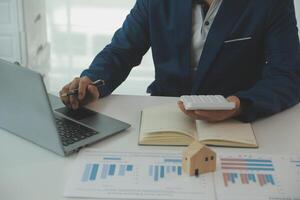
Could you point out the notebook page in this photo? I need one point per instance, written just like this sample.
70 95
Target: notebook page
166 118
231 130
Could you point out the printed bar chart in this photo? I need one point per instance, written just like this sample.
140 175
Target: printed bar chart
135 175
160 171
245 179
170 166
94 171
102 171
247 171
257 177
247 164
264 179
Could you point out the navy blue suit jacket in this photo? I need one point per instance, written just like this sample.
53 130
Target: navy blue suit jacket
263 71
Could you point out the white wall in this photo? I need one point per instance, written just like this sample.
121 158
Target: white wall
78 30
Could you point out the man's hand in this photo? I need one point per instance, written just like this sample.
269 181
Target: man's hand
86 93
214 115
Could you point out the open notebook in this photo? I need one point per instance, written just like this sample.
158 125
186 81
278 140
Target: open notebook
167 125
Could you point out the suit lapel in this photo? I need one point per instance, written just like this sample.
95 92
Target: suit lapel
225 20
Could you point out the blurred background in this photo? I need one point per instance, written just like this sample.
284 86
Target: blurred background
78 30
59 38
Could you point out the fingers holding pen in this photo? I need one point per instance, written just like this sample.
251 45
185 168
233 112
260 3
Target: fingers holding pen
65 99
74 102
80 92
82 88
91 94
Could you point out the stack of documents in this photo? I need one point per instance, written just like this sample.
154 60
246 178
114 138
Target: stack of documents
130 175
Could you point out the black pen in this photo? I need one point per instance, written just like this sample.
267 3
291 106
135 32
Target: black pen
96 83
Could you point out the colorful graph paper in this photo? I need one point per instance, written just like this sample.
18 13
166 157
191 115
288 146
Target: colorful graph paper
170 166
103 171
238 171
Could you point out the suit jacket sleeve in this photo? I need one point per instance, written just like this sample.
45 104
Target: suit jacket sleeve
279 87
129 44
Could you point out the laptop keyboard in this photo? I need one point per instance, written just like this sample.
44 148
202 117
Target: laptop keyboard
71 132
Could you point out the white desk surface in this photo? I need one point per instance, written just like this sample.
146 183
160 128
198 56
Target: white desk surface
29 172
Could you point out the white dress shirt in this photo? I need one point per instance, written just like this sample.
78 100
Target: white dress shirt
200 29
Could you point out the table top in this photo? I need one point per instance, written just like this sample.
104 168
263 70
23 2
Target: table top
29 172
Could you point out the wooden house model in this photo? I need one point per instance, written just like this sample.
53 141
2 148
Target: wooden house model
198 159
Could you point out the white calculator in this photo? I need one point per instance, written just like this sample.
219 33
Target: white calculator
206 102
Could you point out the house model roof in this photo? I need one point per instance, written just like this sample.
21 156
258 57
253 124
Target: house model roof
194 148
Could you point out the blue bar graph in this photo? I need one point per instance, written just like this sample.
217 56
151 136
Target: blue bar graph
86 173
92 172
245 179
162 171
179 171
129 168
112 169
270 179
251 177
158 172
232 177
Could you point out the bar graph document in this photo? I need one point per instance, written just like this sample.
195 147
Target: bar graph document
257 177
124 175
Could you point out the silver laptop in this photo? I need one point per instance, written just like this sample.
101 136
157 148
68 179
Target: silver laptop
26 111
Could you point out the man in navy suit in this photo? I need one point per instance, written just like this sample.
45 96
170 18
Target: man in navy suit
246 50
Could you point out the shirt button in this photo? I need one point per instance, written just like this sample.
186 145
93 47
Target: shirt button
207 23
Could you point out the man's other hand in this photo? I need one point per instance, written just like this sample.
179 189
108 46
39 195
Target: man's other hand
213 115
86 93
